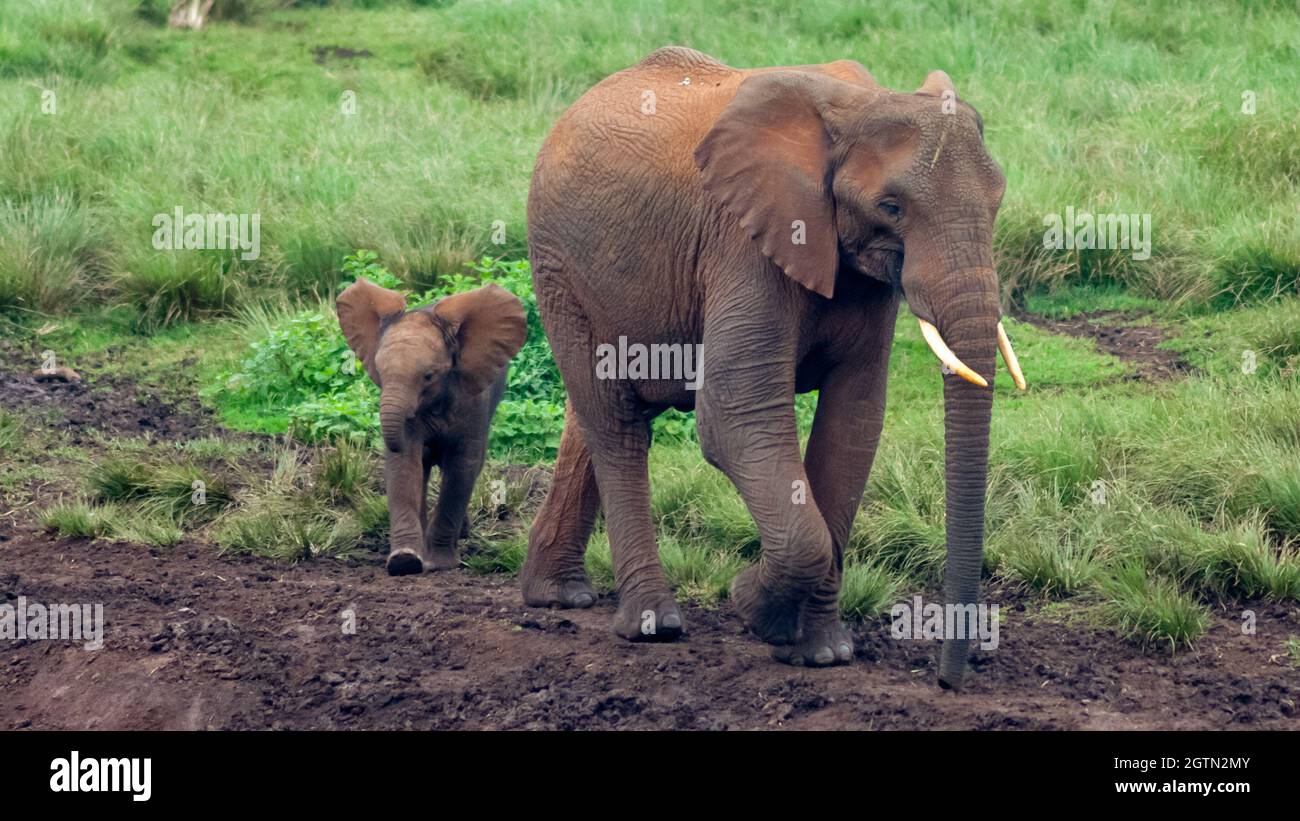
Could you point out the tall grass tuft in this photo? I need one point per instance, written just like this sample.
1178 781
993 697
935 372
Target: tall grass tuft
54 255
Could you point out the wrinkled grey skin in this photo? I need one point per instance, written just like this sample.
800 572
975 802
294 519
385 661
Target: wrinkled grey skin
441 372
664 208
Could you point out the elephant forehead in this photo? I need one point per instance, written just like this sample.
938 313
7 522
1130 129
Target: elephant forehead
410 337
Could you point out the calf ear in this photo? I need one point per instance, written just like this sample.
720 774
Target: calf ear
360 307
490 325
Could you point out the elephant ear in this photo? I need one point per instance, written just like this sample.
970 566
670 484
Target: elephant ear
361 307
490 326
767 160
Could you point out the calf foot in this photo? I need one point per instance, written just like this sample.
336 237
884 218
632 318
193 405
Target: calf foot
774 620
404 562
819 646
651 616
442 559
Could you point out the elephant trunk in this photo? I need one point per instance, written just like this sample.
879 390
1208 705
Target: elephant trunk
967 411
953 290
393 413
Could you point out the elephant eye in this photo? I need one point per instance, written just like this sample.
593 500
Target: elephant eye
428 376
890 207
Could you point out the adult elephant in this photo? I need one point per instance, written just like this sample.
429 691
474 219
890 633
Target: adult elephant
772 217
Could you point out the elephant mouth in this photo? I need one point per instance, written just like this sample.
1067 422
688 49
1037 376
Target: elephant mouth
881 258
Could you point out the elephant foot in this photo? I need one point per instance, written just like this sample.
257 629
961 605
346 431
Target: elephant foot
820 646
404 563
442 559
543 591
772 619
649 617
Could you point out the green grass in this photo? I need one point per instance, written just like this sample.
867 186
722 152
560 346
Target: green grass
1152 609
1261 342
285 515
11 430
505 555
288 534
81 519
1108 106
1070 299
868 590
345 471
175 491
54 256
1048 565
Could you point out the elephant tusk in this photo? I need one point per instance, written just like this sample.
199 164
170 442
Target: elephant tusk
1009 356
946 356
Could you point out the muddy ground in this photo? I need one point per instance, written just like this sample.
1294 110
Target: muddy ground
194 640
1126 335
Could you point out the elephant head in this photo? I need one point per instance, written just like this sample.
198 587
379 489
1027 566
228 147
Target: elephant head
838 177
423 359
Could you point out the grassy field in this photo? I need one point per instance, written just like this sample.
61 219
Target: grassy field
1140 504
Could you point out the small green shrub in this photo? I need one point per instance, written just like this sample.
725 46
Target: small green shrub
178 492
53 255
498 556
371 511
288 535
141 528
867 590
1152 609
303 368
81 520
344 471
119 480
179 286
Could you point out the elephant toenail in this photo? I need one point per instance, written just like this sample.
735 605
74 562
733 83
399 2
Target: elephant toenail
846 652
824 656
583 600
672 621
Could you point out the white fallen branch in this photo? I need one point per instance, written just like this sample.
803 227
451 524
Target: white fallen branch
189 14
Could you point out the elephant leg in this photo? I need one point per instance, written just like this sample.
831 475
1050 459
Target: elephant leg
745 417
405 481
615 430
797 551
841 449
647 609
554 573
459 470
427 460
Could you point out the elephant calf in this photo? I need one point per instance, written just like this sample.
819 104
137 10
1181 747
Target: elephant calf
441 371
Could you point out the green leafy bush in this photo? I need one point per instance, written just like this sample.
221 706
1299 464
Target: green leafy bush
531 415
303 368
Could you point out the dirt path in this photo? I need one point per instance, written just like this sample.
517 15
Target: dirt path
196 641
1124 335
193 640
